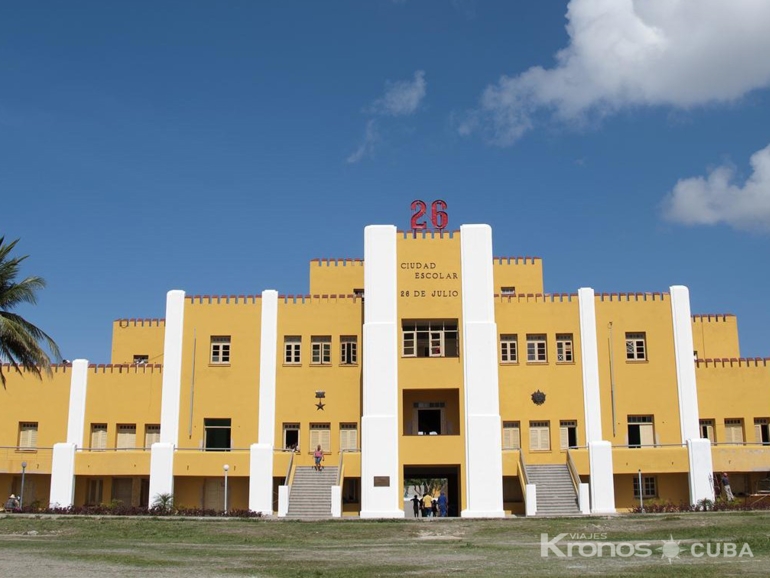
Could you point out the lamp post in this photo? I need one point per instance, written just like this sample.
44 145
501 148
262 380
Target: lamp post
641 492
226 468
21 496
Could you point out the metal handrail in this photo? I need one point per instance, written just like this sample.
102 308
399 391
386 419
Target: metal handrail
523 481
339 471
650 446
573 473
288 471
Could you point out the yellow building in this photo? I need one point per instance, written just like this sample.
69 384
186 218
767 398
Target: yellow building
429 358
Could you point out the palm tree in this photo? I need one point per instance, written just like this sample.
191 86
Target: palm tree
20 340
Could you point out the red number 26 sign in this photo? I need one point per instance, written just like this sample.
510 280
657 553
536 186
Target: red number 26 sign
438 217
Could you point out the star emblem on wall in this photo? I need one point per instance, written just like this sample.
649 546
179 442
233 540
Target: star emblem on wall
320 405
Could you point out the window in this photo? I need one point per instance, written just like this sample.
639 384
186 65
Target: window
762 430
564 348
348 436
94 493
640 431
292 344
707 429
220 349
568 434
98 436
141 359
349 350
636 349
27 435
151 434
126 439
122 490
509 351
434 338
734 431
320 434
536 350
511 435
216 434
539 436
321 350
508 290
649 486
291 436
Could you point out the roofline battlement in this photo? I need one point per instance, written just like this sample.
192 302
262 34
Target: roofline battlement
654 296
538 297
708 317
156 322
125 367
303 299
337 262
734 361
516 260
222 299
425 234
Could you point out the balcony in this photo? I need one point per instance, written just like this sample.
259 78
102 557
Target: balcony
112 462
659 459
38 460
741 457
197 462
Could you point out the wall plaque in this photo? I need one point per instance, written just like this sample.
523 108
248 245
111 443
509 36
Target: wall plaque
381 481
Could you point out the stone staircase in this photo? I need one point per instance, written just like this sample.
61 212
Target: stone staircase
310 495
555 492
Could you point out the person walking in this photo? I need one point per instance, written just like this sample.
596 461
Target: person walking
726 487
442 505
427 505
416 506
319 456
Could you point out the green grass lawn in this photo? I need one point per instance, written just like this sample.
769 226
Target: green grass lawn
73 546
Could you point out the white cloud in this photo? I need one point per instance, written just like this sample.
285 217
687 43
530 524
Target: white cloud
625 53
401 98
717 199
367 147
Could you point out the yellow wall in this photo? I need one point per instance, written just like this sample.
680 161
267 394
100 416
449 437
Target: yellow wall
297 384
220 391
137 337
122 395
715 336
561 382
734 390
523 273
641 387
672 488
336 276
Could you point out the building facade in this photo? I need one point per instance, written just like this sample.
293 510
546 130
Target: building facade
429 358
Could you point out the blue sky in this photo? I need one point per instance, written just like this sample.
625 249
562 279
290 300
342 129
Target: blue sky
217 147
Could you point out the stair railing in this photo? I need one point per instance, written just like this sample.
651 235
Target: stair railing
523 480
289 470
340 476
573 473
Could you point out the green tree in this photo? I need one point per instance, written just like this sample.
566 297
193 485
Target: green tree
21 342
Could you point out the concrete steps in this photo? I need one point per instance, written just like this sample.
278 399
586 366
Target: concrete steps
310 495
555 492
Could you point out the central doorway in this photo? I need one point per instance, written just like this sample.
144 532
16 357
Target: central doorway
433 478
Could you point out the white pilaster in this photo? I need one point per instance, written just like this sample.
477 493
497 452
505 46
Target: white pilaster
62 476
698 450
63 460
161 470
379 423
483 442
283 501
261 457
261 478
172 368
602 485
685 366
336 501
77 406
601 464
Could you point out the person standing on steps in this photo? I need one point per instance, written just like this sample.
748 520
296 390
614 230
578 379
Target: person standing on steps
726 487
319 456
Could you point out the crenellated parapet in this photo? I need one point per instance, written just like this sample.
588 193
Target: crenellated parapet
517 260
316 299
156 322
125 367
425 234
55 368
223 299
733 362
616 297
537 298
337 262
713 318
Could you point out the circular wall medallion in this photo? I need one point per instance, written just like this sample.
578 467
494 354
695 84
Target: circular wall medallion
538 398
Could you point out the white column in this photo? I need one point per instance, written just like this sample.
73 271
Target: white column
379 423
63 461
283 501
261 457
483 442
172 368
698 450
602 487
162 452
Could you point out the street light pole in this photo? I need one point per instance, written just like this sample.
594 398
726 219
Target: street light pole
226 468
21 497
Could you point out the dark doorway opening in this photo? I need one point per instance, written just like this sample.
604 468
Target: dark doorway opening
449 473
429 421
